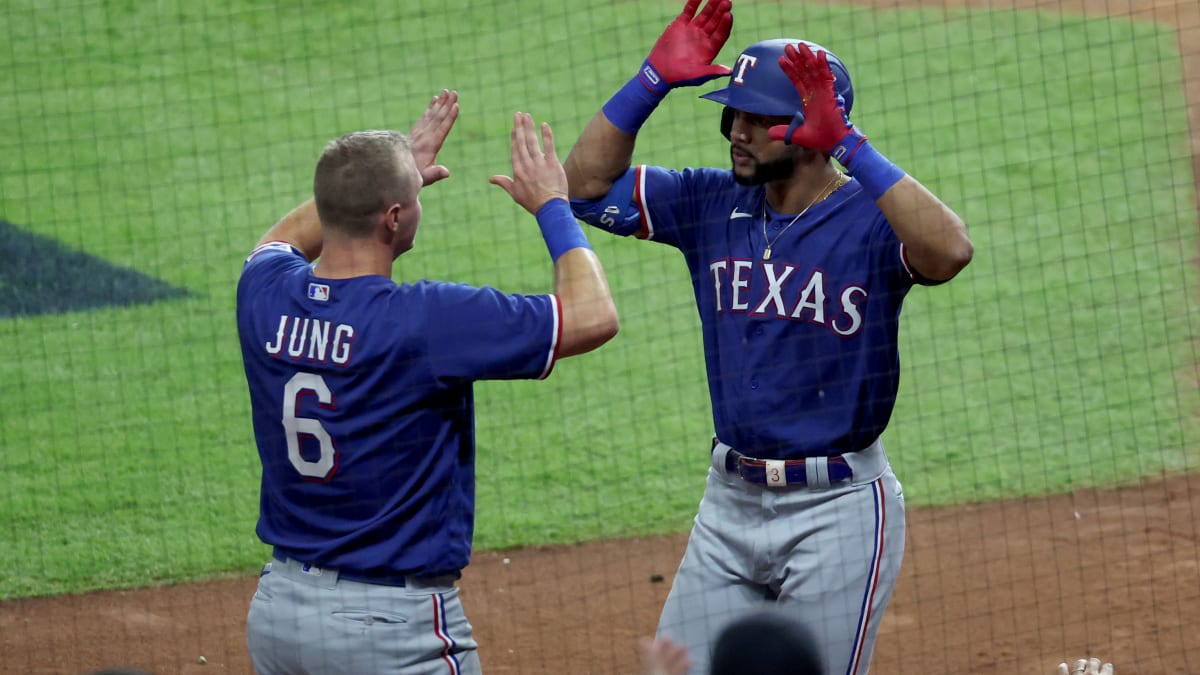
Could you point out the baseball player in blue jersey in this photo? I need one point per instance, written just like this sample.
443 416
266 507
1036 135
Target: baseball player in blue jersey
361 392
799 271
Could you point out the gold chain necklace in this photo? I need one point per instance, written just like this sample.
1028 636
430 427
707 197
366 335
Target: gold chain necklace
821 196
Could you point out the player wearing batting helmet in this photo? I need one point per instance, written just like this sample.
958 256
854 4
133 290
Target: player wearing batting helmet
769 91
799 270
361 395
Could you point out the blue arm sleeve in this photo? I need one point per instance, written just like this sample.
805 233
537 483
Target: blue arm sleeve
615 211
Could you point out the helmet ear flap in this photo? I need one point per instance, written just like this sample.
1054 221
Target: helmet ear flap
726 122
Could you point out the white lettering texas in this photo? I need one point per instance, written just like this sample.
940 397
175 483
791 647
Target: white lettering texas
797 301
307 339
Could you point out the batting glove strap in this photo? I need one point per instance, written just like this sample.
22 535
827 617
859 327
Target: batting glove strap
560 229
869 167
630 107
653 80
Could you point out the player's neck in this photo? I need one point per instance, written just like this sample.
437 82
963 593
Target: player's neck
353 258
810 183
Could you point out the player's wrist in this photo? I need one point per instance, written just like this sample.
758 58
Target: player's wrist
876 173
560 230
630 107
653 80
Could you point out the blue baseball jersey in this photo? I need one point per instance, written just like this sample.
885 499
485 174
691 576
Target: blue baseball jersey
361 394
801 348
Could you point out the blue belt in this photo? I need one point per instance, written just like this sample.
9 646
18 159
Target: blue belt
761 471
397 580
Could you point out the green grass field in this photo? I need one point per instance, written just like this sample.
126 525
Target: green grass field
166 137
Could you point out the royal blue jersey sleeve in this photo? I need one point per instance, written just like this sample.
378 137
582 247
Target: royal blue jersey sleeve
267 262
659 204
483 334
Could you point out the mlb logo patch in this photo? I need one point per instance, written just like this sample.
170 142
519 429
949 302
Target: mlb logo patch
318 292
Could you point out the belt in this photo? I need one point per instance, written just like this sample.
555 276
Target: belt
398 580
812 471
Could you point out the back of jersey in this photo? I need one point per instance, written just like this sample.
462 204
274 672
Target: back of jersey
363 413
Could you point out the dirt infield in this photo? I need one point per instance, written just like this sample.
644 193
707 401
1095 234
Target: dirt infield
1001 588
1005 588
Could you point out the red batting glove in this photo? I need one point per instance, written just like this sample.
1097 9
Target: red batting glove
822 123
683 54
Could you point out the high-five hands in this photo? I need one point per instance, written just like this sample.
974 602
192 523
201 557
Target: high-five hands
822 123
538 176
428 134
683 55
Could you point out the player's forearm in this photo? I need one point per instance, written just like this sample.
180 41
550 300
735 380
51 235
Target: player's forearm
681 57
301 228
589 316
934 236
602 153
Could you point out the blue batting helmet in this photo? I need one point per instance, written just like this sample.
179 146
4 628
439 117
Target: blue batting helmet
758 85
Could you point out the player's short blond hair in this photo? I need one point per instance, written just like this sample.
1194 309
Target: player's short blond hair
359 175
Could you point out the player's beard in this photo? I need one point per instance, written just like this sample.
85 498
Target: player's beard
767 172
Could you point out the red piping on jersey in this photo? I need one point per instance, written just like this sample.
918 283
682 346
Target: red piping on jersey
904 260
639 200
558 331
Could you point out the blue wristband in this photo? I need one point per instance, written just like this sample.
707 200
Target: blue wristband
630 107
871 169
559 228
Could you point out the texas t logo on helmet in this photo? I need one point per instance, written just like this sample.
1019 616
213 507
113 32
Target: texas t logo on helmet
738 76
758 85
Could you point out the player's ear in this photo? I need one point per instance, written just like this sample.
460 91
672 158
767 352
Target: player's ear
392 216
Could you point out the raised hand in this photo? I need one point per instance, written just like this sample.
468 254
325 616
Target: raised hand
429 132
538 176
821 124
683 55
